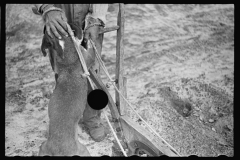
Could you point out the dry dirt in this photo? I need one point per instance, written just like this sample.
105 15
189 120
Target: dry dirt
179 61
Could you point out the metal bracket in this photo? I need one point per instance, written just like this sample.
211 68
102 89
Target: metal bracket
140 148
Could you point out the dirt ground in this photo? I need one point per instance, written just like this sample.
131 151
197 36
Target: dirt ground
179 61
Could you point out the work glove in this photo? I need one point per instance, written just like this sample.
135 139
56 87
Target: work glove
55 21
93 28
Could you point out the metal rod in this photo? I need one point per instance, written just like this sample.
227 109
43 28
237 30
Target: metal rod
114 134
119 72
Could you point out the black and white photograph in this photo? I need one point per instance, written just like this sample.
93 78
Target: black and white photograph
119 80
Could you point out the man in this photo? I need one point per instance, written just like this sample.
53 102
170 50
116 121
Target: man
91 18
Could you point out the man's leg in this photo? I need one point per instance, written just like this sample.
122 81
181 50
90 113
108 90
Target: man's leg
93 123
91 117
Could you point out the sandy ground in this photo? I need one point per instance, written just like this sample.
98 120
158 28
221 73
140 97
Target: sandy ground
179 61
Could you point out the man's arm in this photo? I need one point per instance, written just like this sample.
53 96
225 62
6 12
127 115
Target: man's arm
95 20
54 19
99 11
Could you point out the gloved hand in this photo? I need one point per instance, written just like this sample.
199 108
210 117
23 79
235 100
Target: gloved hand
55 22
92 31
94 26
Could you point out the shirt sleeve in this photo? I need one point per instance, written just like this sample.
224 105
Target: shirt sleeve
99 11
38 5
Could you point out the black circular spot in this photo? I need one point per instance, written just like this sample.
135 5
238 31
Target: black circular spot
163 155
97 99
193 156
134 155
105 156
222 156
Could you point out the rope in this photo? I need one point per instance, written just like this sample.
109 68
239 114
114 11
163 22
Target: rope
100 23
106 72
86 74
94 24
114 134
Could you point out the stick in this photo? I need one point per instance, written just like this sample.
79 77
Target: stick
108 29
119 59
114 134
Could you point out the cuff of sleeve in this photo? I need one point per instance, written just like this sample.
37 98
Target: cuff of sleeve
36 9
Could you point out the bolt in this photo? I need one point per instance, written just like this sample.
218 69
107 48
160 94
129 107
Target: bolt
135 144
118 129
